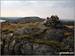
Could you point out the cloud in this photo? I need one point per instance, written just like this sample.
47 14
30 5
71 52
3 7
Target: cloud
64 9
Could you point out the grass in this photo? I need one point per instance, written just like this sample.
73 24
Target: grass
54 44
11 27
67 34
70 27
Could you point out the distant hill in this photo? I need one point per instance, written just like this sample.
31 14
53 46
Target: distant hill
22 19
67 19
9 18
31 19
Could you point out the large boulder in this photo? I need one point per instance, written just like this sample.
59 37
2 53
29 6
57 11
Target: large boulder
25 47
43 49
55 35
26 30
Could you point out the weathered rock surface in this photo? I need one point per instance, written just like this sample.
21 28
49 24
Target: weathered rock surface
46 39
55 35
28 30
25 47
53 21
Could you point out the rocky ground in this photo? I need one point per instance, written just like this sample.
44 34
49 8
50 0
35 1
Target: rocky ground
41 38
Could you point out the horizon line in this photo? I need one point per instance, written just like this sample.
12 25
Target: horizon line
42 17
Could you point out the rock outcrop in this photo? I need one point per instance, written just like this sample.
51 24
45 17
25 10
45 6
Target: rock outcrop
53 21
44 38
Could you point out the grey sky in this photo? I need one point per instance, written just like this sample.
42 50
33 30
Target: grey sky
64 9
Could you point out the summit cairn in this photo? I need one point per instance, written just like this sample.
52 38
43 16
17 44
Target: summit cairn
53 21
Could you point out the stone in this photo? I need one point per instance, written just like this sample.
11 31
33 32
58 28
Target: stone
43 49
26 30
53 21
55 35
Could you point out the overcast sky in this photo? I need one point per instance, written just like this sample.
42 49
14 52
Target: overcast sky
64 9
